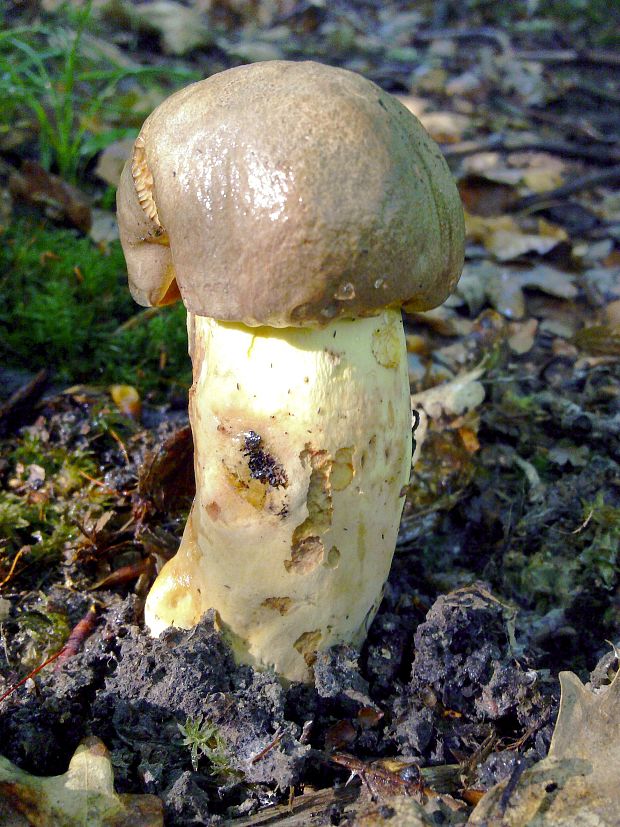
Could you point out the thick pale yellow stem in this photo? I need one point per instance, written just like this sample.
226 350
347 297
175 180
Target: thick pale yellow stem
302 446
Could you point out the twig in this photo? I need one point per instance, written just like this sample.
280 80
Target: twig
570 125
593 90
596 155
602 57
103 484
138 319
485 33
511 786
9 576
24 395
71 647
120 443
278 737
77 637
122 575
584 182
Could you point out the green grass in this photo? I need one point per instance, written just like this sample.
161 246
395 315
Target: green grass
63 302
48 76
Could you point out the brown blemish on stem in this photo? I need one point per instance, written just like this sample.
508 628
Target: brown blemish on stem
333 558
213 510
307 644
306 555
278 604
342 470
307 549
252 491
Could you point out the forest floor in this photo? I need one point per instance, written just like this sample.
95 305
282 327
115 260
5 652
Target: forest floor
506 568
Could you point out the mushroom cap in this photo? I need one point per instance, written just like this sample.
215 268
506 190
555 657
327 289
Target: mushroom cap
288 194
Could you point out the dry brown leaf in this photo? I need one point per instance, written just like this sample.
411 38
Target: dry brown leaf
522 337
112 159
464 393
84 795
507 246
445 127
503 238
181 28
60 200
450 399
601 339
577 784
480 228
127 400
416 105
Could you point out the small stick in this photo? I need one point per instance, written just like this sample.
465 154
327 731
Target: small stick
603 57
278 737
27 393
511 786
9 576
584 182
122 575
121 444
491 35
77 637
71 647
596 155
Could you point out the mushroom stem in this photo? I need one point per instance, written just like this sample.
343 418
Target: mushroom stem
302 446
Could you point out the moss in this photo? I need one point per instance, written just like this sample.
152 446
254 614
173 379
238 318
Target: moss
42 633
601 542
47 496
63 302
204 739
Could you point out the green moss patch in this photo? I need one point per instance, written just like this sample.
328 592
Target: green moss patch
65 306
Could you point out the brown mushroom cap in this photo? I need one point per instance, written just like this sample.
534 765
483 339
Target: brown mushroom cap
286 193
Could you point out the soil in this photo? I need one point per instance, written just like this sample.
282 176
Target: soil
505 571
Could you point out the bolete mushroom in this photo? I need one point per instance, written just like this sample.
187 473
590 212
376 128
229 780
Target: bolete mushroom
295 208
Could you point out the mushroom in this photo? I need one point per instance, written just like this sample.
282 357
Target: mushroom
295 208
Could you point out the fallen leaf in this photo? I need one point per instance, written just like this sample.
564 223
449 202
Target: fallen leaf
605 280
251 51
521 340
601 339
452 398
541 180
503 287
112 159
550 281
484 198
127 400
84 795
577 783
167 476
507 246
416 105
575 455
612 313
504 292
181 28
104 227
503 238
445 127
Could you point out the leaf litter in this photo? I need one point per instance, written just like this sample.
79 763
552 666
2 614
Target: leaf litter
511 526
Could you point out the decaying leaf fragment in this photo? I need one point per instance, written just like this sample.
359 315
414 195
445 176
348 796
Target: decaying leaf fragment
84 795
464 393
577 783
450 399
